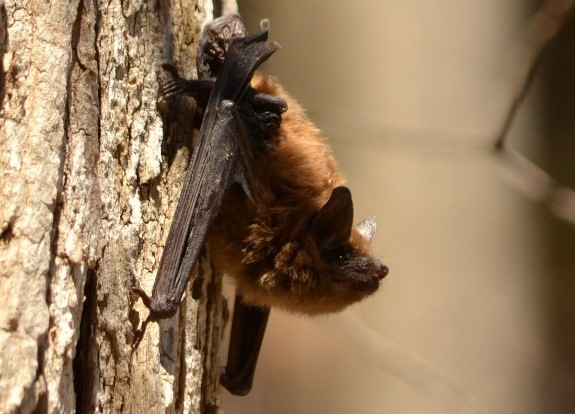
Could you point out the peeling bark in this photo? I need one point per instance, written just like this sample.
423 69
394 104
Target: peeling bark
90 177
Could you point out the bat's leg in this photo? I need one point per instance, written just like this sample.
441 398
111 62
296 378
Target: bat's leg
248 329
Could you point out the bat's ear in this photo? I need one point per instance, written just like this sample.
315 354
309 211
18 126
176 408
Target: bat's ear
332 223
368 227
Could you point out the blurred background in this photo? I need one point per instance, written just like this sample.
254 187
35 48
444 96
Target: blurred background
478 311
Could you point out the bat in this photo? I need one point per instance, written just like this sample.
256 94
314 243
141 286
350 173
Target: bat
262 189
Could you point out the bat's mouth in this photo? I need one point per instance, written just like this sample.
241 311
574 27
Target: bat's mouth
367 288
364 283
372 283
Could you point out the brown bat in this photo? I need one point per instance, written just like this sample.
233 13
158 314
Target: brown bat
264 191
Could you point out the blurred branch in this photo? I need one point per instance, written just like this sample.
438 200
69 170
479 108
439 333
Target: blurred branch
522 173
542 27
536 184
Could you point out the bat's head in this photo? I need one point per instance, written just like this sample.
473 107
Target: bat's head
328 267
344 249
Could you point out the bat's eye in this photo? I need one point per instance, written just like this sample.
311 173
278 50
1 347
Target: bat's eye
338 256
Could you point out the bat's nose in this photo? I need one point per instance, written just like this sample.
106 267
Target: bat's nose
383 271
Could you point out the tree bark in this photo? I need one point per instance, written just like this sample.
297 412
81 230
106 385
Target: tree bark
89 180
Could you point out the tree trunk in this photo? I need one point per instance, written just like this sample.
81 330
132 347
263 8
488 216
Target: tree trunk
89 180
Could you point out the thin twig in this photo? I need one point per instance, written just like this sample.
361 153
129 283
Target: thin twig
522 173
542 27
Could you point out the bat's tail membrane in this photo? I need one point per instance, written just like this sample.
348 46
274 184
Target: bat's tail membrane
246 336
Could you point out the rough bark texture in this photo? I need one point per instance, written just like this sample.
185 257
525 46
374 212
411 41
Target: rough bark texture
89 179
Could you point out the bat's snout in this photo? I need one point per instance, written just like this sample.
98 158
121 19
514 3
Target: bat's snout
383 271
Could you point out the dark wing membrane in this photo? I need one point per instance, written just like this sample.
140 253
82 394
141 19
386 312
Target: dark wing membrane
215 164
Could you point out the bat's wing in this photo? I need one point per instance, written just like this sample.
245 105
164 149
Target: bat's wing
246 336
218 160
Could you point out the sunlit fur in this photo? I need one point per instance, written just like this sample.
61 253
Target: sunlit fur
268 245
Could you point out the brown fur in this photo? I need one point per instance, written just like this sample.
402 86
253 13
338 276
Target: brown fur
267 244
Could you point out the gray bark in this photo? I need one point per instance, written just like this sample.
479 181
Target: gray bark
88 186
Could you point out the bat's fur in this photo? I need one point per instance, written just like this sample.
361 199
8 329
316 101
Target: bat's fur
268 244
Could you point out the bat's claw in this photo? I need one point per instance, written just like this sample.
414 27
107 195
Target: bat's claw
139 333
143 295
170 83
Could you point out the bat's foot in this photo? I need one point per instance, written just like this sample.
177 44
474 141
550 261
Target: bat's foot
216 38
171 84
